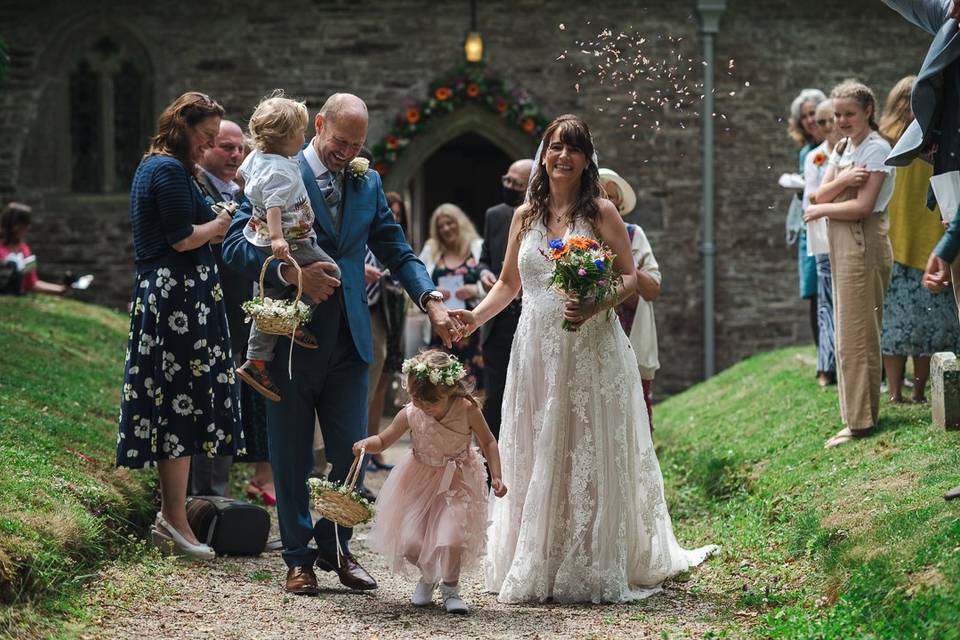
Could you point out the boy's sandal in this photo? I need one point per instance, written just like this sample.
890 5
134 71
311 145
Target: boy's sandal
304 338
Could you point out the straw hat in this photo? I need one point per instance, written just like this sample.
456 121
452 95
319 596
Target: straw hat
627 195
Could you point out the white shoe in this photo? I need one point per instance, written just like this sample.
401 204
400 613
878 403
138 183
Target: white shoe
162 528
452 601
423 593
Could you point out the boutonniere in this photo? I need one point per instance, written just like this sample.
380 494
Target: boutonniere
819 159
358 168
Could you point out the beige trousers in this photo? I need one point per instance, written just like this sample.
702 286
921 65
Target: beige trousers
954 277
378 328
861 259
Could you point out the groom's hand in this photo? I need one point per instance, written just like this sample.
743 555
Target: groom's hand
318 284
448 328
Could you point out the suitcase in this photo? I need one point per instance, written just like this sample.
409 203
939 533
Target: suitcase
230 527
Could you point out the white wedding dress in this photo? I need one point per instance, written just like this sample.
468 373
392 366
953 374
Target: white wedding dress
584 519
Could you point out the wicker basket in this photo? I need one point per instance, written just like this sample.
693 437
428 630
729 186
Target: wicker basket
340 507
279 326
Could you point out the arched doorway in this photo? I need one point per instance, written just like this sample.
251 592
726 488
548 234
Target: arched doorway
465 171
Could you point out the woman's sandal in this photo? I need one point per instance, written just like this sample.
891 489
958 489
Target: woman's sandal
844 436
305 338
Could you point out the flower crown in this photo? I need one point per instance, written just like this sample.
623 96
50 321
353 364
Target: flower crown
447 374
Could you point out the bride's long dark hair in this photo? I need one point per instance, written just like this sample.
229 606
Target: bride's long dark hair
574 133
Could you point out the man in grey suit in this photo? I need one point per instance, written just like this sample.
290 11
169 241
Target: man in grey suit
215 177
935 130
497 335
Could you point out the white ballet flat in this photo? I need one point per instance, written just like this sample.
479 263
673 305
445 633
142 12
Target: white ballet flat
162 528
452 601
423 593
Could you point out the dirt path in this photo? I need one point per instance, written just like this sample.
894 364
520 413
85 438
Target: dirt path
243 598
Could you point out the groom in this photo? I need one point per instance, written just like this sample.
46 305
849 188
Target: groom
330 382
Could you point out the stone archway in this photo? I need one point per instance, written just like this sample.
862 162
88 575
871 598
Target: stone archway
408 176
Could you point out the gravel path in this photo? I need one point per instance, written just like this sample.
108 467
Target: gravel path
243 598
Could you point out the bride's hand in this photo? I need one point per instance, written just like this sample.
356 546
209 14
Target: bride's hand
467 319
576 312
499 489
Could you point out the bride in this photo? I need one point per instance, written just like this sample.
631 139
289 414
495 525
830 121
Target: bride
585 519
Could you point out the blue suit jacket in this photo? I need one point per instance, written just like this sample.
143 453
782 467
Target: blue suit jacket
935 102
366 220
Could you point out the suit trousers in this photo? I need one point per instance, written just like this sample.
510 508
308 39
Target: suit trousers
209 476
496 360
335 393
862 259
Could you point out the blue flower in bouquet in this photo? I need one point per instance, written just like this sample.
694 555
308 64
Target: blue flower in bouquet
600 266
556 244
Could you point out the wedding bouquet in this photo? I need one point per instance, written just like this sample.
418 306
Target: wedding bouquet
582 269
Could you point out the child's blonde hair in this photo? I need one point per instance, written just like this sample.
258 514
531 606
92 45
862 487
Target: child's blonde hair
275 118
420 386
861 94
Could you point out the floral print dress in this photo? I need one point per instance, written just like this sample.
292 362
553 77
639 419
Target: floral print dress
467 350
180 394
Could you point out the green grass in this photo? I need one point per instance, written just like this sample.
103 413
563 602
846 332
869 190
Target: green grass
855 542
64 509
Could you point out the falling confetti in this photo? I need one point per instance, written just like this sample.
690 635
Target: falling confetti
649 75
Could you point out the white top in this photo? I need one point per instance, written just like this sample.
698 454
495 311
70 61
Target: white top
870 154
813 173
272 180
643 332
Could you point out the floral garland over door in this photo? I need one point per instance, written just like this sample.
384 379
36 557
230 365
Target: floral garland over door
471 84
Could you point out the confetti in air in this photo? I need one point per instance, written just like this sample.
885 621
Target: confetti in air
655 79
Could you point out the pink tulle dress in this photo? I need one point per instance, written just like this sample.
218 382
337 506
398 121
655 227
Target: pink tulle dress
435 499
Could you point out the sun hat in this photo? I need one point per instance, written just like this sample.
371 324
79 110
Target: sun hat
627 195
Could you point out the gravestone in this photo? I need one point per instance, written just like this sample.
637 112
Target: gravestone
945 397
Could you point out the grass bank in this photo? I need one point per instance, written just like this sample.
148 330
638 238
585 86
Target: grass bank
64 508
855 542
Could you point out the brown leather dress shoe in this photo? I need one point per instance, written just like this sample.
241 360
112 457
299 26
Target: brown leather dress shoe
351 574
302 581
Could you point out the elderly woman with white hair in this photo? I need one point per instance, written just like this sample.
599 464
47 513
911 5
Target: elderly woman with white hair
636 313
803 130
452 258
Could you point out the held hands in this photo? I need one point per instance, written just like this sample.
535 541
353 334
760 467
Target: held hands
467 320
936 276
444 323
280 248
373 444
499 489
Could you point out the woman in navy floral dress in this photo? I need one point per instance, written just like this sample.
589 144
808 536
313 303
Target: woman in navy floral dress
180 395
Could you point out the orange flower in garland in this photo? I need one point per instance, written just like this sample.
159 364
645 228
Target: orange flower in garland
442 93
819 159
392 142
473 90
528 125
413 115
501 105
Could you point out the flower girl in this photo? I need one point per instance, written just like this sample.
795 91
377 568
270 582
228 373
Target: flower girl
432 510
283 215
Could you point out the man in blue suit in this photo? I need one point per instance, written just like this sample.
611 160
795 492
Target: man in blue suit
330 381
936 128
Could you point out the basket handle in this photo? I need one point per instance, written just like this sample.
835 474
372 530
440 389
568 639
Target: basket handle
263 272
354 474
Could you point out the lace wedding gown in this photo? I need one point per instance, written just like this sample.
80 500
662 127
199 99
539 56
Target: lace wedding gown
584 519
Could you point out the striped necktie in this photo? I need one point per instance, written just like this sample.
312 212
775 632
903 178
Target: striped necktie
372 289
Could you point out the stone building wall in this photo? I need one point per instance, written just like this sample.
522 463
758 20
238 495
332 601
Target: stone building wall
388 51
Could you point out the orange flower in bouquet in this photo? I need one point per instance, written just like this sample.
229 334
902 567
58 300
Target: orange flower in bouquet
582 269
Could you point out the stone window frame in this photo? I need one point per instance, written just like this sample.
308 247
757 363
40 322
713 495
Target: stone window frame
47 162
